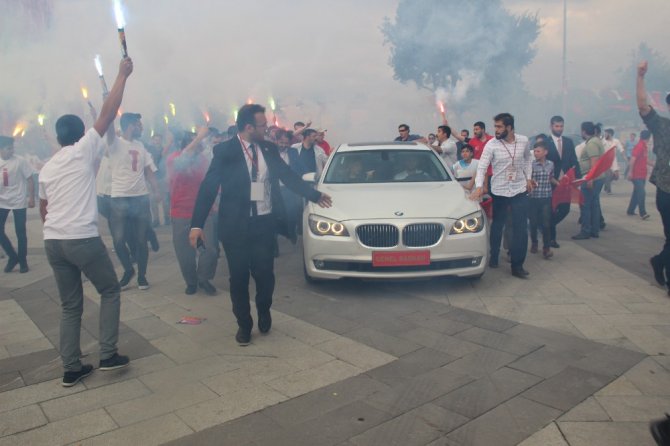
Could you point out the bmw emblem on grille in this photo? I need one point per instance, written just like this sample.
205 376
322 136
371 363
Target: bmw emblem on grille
399 214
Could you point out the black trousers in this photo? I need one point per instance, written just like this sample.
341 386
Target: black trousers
518 206
252 255
21 237
540 218
663 206
562 211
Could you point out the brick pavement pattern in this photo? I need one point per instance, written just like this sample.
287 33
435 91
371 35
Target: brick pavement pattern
578 355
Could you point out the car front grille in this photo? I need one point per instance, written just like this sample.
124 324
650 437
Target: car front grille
378 235
421 234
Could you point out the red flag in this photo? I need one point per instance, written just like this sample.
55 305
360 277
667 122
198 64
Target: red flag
601 166
566 191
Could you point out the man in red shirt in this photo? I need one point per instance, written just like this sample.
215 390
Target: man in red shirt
321 142
637 173
186 170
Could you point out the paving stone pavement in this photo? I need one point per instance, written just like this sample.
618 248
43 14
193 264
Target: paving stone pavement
577 355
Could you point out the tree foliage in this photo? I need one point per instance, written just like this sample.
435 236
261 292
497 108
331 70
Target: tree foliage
456 45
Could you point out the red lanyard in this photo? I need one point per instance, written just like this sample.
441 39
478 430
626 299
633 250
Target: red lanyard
508 152
247 152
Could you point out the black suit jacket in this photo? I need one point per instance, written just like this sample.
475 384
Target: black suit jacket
229 171
567 161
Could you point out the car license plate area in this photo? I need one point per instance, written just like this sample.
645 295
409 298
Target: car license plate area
400 258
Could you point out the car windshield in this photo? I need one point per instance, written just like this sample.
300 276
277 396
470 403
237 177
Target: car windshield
385 166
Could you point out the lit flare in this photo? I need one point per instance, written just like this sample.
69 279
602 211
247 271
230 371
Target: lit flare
84 92
40 119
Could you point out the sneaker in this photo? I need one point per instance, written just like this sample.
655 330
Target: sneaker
191 289
125 280
11 264
207 287
72 378
546 253
24 268
142 283
264 322
657 266
660 430
243 337
644 217
115 362
533 248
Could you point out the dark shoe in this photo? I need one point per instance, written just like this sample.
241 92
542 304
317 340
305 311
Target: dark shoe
520 273
533 248
264 322
546 253
207 287
72 378
243 337
493 263
657 266
153 240
595 236
644 217
191 289
553 244
125 280
581 236
115 362
11 264
142 283
24 268
660 430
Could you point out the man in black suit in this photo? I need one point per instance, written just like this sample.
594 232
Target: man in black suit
247 169
561 151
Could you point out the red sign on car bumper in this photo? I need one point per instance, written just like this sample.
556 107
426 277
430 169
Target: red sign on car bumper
400 258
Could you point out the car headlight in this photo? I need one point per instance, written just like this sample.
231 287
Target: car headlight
324 226
468 224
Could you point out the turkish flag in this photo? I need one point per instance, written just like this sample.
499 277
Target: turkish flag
601 166
566 191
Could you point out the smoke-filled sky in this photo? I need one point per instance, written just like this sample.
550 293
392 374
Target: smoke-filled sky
321 60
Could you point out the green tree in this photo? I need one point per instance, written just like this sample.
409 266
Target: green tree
458 45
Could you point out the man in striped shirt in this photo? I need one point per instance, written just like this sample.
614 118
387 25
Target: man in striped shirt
511 161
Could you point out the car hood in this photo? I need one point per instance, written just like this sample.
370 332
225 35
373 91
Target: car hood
385 201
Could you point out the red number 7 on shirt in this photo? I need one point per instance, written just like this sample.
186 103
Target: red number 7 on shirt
134 154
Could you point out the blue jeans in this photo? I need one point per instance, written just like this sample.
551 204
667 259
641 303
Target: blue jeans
638 197
590 210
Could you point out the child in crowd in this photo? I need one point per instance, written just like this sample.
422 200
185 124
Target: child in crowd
539 205
466 168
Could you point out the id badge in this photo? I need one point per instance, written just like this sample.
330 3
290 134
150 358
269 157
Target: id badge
257 191
511 175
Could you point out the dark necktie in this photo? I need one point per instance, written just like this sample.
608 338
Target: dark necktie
254 176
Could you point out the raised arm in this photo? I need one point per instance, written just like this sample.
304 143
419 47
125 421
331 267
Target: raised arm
111 105
641 89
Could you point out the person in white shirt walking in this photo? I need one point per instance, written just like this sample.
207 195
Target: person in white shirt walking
510 158
17 192
131 166
71 238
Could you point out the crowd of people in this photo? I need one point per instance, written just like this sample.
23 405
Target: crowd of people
253 174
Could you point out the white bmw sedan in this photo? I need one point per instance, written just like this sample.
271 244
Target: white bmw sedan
397 213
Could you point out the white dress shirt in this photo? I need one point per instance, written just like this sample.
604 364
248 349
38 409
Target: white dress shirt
512 166
263 207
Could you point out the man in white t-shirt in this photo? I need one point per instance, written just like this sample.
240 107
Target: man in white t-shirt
131 166
445 145
610 141
71 239
17 192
